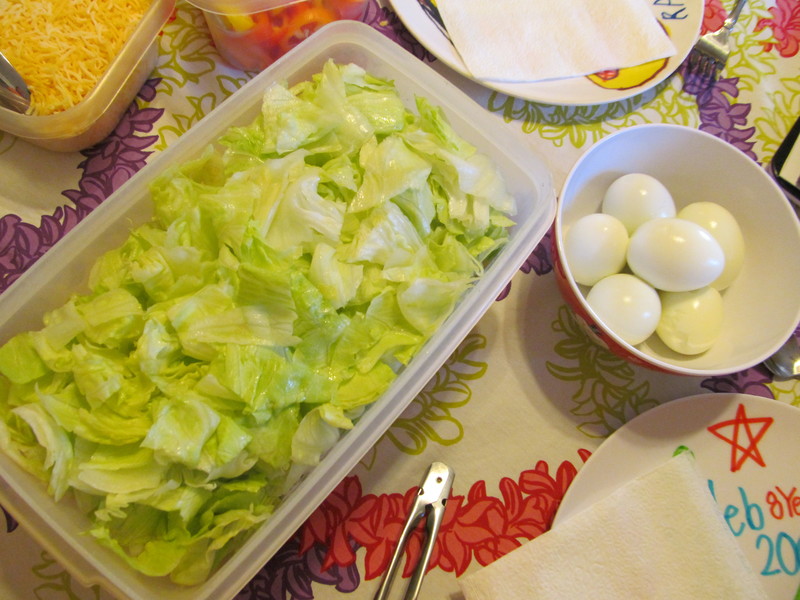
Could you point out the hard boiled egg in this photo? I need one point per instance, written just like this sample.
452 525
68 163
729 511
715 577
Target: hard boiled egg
675 255
635 198
722 225
595 247
690 321
627 306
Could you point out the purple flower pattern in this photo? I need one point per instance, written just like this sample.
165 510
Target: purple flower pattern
718 116
751 381
540 261
11 522
290 574
388 23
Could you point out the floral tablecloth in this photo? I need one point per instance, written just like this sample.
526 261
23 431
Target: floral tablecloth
525 400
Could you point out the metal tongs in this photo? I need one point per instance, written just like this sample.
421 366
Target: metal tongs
430 502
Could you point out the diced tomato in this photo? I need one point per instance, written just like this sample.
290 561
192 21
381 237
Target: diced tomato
268 30
303 24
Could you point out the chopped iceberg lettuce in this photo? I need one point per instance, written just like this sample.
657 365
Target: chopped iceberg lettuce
287 275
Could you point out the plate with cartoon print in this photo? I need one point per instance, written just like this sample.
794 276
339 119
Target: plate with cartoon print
681 19
747 446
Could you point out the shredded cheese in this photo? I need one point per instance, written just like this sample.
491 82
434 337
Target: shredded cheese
63 47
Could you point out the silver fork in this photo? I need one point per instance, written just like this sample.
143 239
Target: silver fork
712 50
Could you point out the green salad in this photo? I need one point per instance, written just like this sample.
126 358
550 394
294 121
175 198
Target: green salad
286 277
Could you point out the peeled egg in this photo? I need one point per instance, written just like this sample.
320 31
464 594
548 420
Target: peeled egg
675 255
595 246
722 225
636 198
627 306
690 321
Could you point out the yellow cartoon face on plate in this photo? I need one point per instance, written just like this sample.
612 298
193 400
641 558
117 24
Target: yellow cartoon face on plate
631 77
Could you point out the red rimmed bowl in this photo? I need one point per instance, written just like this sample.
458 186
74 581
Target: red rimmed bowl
761 307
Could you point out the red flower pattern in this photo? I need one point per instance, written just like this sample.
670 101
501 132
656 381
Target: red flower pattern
785 25
476 526
714 16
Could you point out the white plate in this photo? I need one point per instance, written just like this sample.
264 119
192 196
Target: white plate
681 18
757 486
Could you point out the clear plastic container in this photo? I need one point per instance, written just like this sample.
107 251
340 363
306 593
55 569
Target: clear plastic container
59 527
252 34
94 117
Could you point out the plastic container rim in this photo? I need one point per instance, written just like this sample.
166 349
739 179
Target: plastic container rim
240 7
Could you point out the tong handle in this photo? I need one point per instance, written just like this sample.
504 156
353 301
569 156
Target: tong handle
432 524
430 502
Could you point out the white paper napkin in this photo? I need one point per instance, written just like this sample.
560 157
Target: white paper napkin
661 536
534 40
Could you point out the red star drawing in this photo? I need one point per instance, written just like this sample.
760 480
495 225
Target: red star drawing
742 426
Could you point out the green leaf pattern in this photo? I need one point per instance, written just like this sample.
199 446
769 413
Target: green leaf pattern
786 391
609 393
775 121
750 63
187 60
581 126
56 582
431 417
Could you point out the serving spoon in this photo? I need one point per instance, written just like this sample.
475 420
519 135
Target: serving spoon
14 92
785 363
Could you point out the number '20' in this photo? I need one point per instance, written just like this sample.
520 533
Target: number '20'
784 549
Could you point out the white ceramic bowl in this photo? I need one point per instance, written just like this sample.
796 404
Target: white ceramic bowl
762 306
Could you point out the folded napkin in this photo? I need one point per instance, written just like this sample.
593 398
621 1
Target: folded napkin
660 536
534 40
